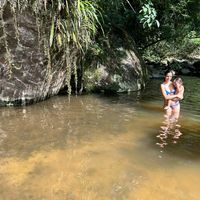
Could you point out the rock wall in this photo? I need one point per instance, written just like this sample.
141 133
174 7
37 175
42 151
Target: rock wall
25 75
122 71
29 74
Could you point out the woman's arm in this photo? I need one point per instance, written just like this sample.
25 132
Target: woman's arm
167 97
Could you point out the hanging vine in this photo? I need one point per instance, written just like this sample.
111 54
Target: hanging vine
15 22
63 26
8 56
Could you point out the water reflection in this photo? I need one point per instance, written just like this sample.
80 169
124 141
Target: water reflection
98 147
56 122
169 132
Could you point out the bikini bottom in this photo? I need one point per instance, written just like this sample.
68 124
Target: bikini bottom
174 104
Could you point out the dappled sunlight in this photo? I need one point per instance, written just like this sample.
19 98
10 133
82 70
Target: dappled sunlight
169 132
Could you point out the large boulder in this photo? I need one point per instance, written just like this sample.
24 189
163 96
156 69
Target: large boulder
29 73
123 71
26 76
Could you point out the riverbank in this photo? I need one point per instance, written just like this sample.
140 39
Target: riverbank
186 67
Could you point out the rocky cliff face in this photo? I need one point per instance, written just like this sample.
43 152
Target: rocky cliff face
30 73
26 76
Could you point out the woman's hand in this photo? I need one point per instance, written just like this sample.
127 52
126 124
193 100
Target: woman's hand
180 96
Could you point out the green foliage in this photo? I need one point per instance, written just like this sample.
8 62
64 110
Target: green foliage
196 41
148 15
181 47
118 15
91 78
65 28
150 21
72 24
74 28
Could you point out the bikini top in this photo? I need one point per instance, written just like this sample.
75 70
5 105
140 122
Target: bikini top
168 91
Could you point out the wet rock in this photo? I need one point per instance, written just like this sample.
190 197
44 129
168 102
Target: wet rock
156 70
180 66
185 71
123 72
27 77
24 74
196 66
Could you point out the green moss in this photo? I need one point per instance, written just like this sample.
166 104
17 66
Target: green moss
91 79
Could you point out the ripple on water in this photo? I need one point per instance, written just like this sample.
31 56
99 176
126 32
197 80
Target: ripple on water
179 140
101 148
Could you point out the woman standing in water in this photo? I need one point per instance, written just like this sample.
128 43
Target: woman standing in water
172 92
169 92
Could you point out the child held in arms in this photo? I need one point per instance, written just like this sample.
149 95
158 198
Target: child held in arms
178 84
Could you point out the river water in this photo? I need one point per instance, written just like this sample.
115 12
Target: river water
102 147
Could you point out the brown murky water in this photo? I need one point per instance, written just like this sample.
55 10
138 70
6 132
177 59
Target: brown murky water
101 148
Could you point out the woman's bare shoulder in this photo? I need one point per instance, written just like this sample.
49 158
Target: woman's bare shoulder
162 85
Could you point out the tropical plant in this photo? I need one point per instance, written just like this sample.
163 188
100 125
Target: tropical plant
64 27
148 15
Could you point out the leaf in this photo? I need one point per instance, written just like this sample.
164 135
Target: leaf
52 32
59 39
74 37
158 23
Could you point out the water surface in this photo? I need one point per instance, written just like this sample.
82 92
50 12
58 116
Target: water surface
101 147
